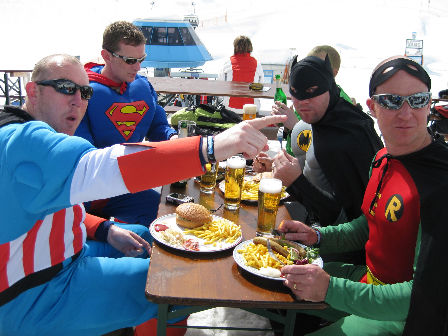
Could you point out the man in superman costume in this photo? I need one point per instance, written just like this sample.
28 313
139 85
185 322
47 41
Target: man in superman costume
123 108
402 289
53 281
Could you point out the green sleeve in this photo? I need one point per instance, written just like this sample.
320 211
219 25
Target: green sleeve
381 302
350 236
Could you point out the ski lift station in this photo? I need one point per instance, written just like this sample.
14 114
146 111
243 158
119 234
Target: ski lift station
172 44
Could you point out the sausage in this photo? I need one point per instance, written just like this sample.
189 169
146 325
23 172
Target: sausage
275 246
283 242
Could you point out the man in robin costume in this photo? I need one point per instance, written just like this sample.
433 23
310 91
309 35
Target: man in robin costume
402 289
123 109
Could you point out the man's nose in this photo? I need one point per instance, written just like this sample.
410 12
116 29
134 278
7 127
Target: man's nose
77 99
405 110
137 66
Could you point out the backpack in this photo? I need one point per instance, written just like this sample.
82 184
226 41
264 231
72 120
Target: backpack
209 119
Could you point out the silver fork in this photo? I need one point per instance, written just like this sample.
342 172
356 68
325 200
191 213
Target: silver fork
271 253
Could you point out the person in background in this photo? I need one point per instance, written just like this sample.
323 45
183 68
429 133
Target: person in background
242 67
293 148
52 280
123 109
402 289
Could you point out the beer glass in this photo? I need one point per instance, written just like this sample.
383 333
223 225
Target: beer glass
186 128
208 180
269 194
249 111
236 167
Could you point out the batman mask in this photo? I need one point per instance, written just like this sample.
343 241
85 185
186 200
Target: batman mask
311 77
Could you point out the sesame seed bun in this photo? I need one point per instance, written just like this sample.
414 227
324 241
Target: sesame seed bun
192 215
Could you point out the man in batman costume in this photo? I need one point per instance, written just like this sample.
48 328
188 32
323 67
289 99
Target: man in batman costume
402 289
343 142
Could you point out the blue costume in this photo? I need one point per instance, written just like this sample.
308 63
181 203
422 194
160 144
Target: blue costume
52 280
124 113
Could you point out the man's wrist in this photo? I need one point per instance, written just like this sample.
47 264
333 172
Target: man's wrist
102 231
316 229
211 149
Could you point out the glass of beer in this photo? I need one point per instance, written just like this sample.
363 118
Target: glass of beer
208 180
186 128
249 111
235 169
269 194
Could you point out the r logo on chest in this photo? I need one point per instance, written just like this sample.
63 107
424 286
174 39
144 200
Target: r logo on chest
394 208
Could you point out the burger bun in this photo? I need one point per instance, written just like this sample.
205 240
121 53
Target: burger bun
192 215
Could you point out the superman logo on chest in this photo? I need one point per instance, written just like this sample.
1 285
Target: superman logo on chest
126 116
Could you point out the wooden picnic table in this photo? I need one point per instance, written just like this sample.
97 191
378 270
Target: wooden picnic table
203 281
200 87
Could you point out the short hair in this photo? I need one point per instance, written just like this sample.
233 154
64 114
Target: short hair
242 45
43 68
322 50
122 31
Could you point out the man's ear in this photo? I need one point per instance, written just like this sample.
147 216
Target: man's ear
31 91
371 105
106 55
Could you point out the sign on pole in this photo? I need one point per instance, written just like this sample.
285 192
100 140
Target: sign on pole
414 49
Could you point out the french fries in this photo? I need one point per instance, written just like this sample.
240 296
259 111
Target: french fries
257 256
217 231
250 190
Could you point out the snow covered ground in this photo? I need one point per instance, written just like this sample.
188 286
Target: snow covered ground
227 317
363 31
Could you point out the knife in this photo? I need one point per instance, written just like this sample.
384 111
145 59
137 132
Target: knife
271 253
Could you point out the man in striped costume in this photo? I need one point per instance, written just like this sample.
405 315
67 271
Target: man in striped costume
52 280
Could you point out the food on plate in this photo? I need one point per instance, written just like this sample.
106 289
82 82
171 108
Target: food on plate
160 227
257 256
173 237
216 231
270 272
250 188
192 215
191 244
274 245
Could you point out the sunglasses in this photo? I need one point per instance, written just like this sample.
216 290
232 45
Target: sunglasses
394 102
67 87
128 60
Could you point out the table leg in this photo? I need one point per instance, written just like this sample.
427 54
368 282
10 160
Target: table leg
290 322
162 318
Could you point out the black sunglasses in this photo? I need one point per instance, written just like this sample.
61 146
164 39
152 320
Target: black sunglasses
128 60
67 87
394 102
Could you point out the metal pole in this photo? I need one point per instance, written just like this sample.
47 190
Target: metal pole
6 89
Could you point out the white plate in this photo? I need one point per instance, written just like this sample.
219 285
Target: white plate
241 261
222 187
170 221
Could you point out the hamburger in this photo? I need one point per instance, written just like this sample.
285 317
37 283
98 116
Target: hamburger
192 215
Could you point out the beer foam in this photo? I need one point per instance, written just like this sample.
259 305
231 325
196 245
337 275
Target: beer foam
236 162
270 185
250 108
